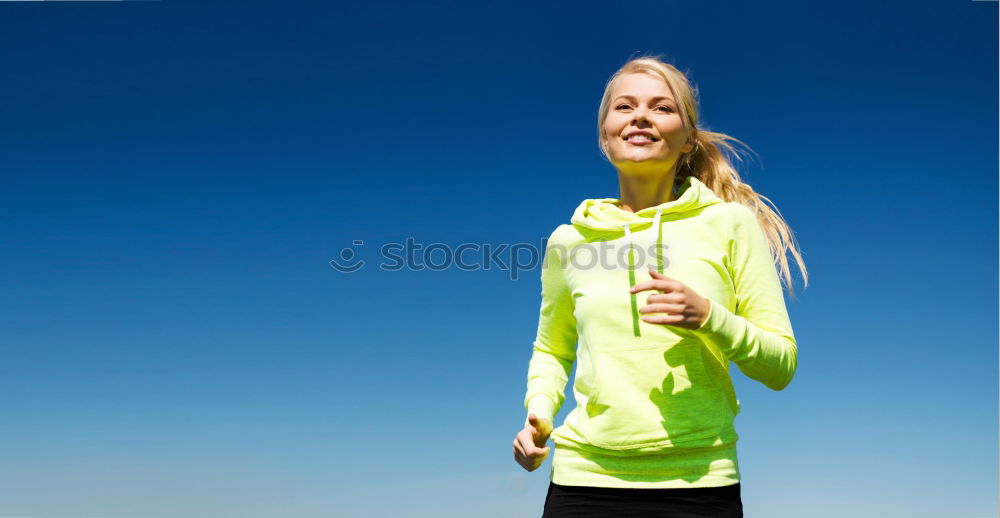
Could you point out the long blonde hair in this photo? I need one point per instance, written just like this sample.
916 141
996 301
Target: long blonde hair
708 163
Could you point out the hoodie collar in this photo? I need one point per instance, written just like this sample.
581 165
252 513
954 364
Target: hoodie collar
606 214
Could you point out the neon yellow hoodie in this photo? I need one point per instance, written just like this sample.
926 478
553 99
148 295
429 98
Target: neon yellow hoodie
655 403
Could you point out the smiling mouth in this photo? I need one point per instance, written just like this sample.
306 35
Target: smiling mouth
640 139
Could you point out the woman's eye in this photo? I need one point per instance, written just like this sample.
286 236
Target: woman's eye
665 108
622 106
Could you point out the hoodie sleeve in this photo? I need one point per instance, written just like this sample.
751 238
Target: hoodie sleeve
758 336
554 349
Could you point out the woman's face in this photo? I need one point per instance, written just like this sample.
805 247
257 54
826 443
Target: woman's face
643 123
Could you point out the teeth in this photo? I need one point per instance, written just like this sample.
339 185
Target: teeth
640 137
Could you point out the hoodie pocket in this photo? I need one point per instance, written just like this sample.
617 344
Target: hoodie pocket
653 398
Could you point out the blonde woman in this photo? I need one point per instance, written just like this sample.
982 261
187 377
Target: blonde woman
652 295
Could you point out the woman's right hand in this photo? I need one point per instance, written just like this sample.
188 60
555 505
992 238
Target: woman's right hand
529 445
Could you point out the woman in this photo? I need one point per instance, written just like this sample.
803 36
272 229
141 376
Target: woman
660 289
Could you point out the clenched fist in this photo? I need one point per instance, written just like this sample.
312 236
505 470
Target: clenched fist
529 445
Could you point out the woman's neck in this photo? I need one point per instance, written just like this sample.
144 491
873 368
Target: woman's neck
638 193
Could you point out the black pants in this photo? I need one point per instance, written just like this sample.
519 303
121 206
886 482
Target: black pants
608 502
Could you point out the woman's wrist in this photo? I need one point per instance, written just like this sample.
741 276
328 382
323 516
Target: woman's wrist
708 313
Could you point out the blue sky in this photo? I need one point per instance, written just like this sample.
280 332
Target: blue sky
178 175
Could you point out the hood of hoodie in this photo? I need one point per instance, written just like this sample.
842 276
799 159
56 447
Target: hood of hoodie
603 218
605 215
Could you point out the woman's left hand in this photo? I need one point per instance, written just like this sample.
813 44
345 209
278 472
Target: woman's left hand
683 306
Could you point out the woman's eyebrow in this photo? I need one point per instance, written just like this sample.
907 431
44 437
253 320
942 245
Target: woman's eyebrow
654 99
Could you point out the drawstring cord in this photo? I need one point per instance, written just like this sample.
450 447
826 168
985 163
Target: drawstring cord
659 240
631 281
631 265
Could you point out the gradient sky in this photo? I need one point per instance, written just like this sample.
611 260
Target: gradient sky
178 175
